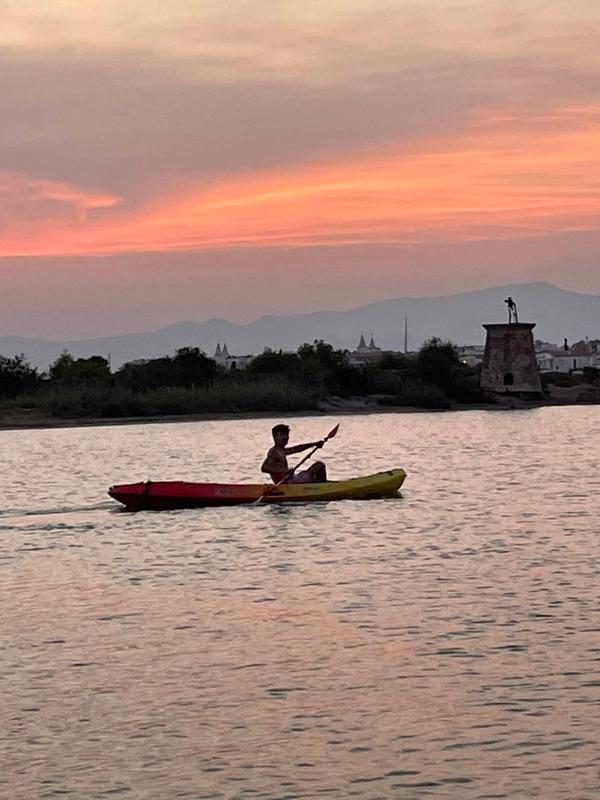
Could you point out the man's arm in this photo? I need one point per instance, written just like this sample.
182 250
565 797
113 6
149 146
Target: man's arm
268 466
300 448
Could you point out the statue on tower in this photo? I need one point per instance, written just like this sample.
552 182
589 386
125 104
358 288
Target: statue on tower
513 317
509 362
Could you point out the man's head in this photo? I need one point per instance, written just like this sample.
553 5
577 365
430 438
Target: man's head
281 434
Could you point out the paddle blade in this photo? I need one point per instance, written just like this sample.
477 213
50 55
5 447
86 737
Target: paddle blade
332 432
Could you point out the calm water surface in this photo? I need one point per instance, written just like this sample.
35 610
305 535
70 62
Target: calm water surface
445 644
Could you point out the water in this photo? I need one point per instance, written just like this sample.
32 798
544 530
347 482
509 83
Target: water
445 644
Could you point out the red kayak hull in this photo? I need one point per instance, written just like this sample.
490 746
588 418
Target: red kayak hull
166 495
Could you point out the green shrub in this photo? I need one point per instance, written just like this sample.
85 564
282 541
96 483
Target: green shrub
419 395
438 363
468 391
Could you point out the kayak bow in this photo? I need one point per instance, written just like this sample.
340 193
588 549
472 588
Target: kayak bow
162 495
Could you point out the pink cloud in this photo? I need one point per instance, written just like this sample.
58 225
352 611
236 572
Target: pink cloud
27 201
505 176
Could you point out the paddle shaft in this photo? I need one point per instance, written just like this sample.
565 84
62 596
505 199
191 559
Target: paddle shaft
299 464
329 436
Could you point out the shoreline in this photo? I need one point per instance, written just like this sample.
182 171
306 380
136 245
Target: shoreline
24 421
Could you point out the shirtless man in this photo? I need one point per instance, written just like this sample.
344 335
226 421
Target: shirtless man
276 464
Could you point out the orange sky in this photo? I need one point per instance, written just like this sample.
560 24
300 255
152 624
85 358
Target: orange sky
491 182
327 126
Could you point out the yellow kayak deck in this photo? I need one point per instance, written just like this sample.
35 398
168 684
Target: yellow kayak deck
381 484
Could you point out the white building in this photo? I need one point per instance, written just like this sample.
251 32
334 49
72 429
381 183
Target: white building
365 353
567 361
224 359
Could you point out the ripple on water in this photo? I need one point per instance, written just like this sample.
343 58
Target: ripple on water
441 645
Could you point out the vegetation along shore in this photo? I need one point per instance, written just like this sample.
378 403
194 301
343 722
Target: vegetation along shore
314 379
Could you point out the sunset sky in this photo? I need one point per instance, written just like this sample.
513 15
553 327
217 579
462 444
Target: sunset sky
185 160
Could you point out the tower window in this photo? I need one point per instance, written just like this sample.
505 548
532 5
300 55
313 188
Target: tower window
508 379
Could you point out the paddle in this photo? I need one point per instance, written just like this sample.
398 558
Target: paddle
269 489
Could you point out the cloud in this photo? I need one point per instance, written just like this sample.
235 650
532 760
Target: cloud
249 131
25 200
488 182
134 123
300 39
137 99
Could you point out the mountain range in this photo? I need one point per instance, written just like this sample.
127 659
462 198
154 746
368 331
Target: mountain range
558 313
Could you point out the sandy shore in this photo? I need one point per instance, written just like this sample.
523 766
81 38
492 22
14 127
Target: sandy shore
29 421
26 420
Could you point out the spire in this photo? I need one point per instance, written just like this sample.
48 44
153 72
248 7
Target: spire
218 352
372 344
361 344
225 351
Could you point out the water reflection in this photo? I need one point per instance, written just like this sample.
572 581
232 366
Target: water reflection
443 645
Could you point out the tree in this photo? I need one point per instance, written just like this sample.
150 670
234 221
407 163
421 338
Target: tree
274 362
323 353
17 376
188 367
62 367
67 369
191 367
438 363
326 367
396 361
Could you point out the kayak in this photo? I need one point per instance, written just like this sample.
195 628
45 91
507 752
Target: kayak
162 495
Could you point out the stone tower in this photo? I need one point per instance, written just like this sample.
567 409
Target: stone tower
509 362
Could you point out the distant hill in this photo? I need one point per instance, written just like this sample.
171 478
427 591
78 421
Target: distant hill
558 314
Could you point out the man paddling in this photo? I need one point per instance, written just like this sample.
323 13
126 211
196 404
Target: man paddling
276 464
